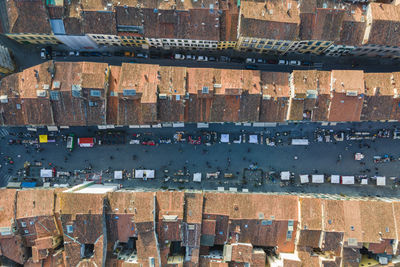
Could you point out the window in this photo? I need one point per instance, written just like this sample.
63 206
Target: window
31 222
23 224
205 90
18 106
95 93
70 229
129 92
26 231
54 95
92 104
318 43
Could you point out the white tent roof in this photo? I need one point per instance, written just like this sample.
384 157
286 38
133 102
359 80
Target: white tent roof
304 178
347 179
318 178
335 179
148 174
381 180
224 138
117 174
285 176
46 173
364 181
197 177
253 139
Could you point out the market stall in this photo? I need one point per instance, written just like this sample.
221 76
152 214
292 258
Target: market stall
197 177
317 179
381 180
118 175
304 178
144 174
253 139
224 138
335 179
285 176
347 179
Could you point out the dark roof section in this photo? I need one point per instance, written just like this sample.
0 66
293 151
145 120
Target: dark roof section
128 16
200 24
99 22
28 17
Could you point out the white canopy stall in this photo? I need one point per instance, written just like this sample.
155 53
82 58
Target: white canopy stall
335 179
347 179
381 180
285 176
118 175
253 139
317 178
224 138
144 174
46 173
304 178
197 177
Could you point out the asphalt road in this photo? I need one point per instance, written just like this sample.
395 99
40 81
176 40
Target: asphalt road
29 55
227 158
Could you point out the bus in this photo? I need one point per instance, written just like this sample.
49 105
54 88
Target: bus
71 142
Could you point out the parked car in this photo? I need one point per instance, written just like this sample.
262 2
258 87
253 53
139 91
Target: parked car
155 55
261 61
250 60
295 62
283 62
59 54
212 59
179 56
202 58
129 54
142 55
224 59
191 57
43 53
168 55
95 54
237 60
272 61
306 63
251 67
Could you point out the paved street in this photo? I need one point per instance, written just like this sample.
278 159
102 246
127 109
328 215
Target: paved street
318 157
29 55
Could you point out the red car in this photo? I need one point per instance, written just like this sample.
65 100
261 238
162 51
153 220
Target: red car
148 143
195 141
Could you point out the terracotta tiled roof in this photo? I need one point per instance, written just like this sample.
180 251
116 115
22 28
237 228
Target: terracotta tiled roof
37 202
138 204
270 20
7 207
99 22
385 20
252 206
27 17
78 203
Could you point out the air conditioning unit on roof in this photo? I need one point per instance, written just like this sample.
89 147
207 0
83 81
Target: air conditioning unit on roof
41 93
351 93
4 99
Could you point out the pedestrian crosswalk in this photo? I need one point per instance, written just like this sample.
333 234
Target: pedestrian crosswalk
5 179
3 132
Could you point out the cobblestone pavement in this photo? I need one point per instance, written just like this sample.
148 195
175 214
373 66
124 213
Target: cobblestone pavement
251 165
